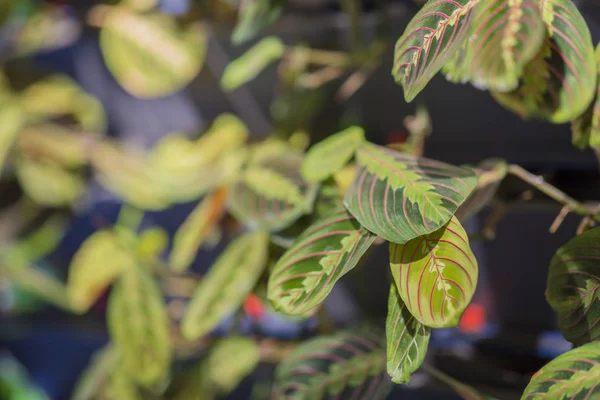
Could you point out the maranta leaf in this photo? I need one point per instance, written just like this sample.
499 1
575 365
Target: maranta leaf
490 174
574 287
432 37
223 290
572 375
254 16
407 339
436 275
586 128
320 256
400 197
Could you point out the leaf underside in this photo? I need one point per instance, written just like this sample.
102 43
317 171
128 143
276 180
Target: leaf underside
400 197
574 287
320 256
436 275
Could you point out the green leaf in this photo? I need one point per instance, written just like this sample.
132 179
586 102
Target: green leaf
224 375
572 375
149 54
332 154
574 287
97 263
49 184
247 67
345 365
436 275
507 35
194 384
11 122
139 326
400 197
223 290
407 340
320 256
560 82
586 128
490 174
432 37
58 143
457 69
464 391
254 16
195 230
274 195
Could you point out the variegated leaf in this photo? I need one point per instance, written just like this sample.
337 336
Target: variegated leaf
432 37
320 256
436 275
346 365
586 128
149 54
98 262
560 81
407 339
247 67
272 195
225 287
574 287
400 197
331 154
49 184
196 229
490 174
139 326
572 375
507 35
457 68
11 122
225 375
254 16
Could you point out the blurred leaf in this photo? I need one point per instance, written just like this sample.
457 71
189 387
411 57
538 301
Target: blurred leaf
49 28
11 122
417 57
574 375
96 375
59 95
149 54
319 257
254 16
194 231
55 142
345 365
49 184
436 275
407 340
490 174
419 128
560 82
331 154
400 197
272 194
194 384
464 391
586 127
268 149
222 291
344 177
247 67
226 375
152 243
39 244
299 140
573 287
139 326
140 5
99 261
507 35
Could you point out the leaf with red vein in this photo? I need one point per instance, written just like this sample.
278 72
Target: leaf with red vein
407 339
346 365
400 197
490 174
506 34
586 128
321 255
572 375
430 39
436 275
560 81
284 199
574 287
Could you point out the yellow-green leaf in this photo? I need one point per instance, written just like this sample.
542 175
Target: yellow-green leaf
226 375
11 121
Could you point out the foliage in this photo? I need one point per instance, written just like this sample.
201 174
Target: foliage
294 219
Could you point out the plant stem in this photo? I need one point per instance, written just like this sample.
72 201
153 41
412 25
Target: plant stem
352 8
320 57
464 391
540 184
130 217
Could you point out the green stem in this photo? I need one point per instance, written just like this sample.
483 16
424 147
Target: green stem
464 391
352 9
540 184
130 217
321 57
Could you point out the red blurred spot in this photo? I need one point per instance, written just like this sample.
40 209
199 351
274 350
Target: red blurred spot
254 307
397 136
473 319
